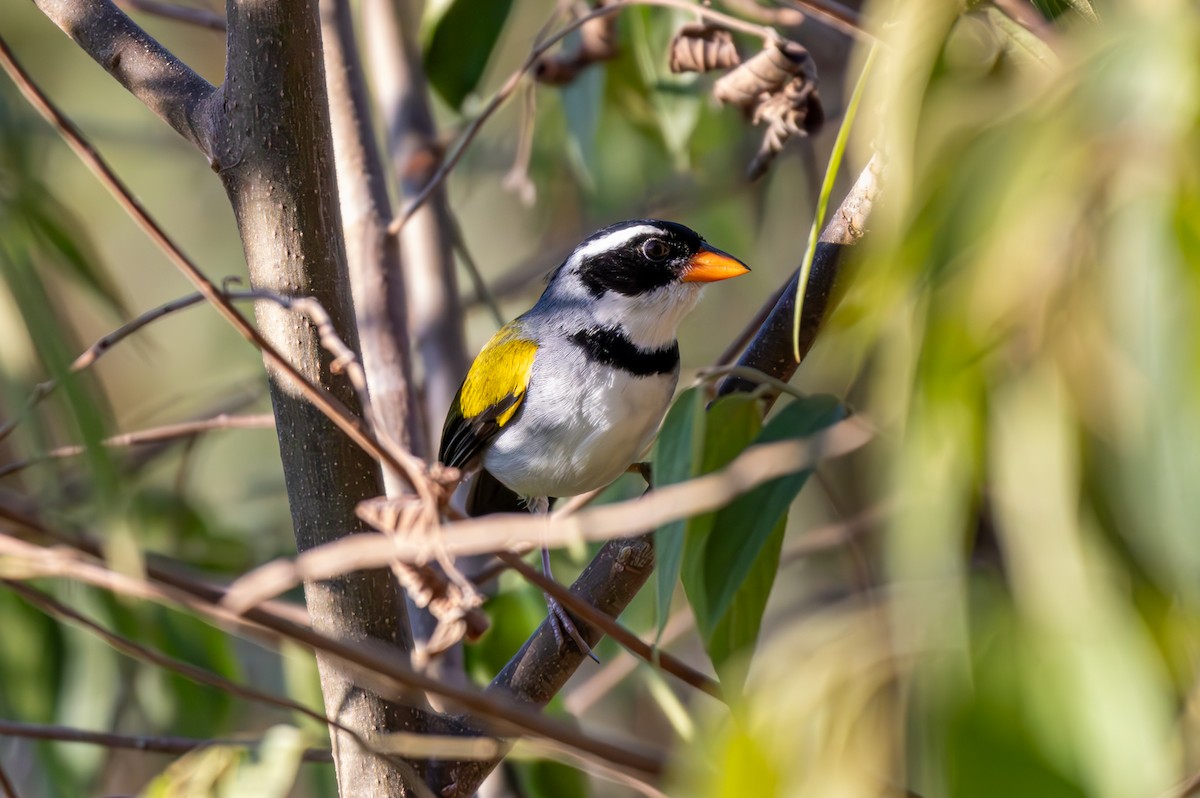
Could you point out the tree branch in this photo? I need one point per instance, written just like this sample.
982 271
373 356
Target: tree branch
166 85
402 95
274 141
372 257
539 670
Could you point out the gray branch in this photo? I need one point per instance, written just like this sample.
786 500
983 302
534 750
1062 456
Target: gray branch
435 317
166 85
435 313
373 257
278 170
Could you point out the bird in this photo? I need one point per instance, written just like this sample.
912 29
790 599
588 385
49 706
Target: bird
566 397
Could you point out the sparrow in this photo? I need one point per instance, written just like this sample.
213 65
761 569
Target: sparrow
564 398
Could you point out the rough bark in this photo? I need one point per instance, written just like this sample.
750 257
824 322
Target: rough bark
277 165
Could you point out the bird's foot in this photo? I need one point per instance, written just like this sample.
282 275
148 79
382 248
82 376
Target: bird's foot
563 626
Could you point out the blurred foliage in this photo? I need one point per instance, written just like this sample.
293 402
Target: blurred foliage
1020 617
461 37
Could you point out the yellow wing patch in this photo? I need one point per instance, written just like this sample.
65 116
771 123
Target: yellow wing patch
501 370
489 397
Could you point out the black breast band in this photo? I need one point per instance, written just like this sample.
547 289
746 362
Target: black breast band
610 346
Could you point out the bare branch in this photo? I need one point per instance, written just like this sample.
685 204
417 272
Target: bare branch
166 85
372 666
372 258
435 314
140 742
771 350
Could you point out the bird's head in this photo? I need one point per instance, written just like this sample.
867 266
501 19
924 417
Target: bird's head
643 275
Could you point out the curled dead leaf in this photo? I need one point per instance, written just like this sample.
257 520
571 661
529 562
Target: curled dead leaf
776 88
701 48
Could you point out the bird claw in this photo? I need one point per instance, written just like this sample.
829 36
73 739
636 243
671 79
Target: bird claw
562 625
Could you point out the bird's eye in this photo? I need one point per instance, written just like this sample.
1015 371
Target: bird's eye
655 249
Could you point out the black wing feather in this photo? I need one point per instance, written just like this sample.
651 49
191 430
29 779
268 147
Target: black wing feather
463 438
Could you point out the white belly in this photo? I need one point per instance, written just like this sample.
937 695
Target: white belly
582 433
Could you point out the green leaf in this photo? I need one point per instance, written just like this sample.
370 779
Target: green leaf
1055 8
731 425
673 97
676 458
55 344
546 779
461 45
731 556
583 105
738 628
60 232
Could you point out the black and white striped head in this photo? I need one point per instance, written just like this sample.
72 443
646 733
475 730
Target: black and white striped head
643 275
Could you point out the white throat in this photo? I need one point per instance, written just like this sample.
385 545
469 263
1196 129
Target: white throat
650 321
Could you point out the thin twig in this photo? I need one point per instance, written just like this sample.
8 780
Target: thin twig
187 430
517 179
138 742
580 699
199 17
659 659
834 15
96 351
477 281
514 80
750 375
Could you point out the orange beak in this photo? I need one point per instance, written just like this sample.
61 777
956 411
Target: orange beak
711 264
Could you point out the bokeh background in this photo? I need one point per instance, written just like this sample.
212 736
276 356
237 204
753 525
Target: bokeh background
996 597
